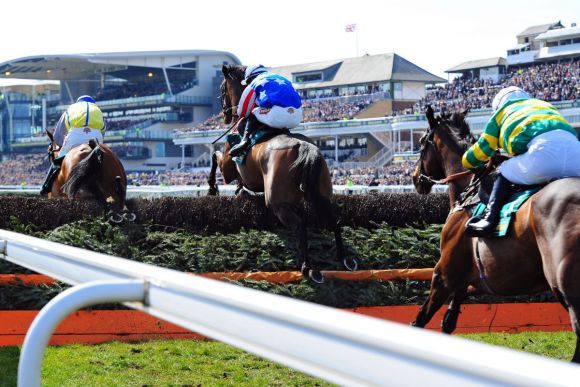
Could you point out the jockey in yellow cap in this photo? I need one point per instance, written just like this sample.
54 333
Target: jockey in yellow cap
81 122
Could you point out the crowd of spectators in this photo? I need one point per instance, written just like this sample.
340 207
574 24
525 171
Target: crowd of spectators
23 170
31 169
313 111
549 82
331 110
394 174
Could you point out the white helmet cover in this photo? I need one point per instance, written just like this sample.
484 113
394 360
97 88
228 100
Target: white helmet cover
507 94
252 71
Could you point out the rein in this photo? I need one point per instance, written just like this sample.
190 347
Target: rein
455 176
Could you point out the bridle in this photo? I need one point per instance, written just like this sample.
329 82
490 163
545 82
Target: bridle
426 140
52 151
227 108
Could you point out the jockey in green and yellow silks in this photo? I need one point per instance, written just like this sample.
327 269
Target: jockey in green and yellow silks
543 144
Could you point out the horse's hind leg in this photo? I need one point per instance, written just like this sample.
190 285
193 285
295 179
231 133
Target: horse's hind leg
568 293
437 297
329 212
449 322
288 215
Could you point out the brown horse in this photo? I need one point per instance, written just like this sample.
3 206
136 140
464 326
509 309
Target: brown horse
92 171
541 251
288 169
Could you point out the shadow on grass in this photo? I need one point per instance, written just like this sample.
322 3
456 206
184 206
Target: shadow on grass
8 365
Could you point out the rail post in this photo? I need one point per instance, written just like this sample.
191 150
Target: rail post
69 301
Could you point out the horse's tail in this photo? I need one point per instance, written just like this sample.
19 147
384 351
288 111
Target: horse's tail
86 172
309 164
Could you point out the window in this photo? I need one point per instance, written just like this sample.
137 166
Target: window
565 42
160 149
312 77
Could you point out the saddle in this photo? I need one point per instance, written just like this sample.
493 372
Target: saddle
264 133
475 197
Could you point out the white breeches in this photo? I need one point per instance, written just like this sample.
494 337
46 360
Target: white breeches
79 136
550 156
279 117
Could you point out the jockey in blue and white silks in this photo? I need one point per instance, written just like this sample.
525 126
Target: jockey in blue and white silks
270 99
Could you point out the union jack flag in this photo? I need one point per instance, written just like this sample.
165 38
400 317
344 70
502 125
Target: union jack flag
350 27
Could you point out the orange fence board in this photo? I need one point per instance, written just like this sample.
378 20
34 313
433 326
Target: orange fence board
277 277
90 327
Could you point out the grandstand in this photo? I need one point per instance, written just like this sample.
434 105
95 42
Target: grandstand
363 113
143 95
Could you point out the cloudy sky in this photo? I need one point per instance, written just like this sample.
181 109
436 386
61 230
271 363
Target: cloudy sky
433 34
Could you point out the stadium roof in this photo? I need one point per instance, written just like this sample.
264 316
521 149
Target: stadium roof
79 66
360 70
560 33
534 30
478 64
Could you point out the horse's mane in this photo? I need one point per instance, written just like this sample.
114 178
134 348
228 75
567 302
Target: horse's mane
457 128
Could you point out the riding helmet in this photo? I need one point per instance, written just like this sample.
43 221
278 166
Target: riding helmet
253 71
86 98
507 94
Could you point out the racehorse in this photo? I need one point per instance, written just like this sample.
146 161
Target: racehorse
540 252
92 171
288 168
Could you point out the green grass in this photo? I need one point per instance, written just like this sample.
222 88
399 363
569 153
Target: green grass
200 363
558 345
156 363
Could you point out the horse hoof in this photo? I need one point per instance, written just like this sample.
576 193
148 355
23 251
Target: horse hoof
316 276
116 218
129 216
350 264
305 270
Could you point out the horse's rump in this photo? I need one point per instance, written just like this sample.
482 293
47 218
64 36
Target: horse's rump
93 171
546 229
86 172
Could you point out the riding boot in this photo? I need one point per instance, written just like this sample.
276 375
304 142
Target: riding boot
50 176
251 125
484 227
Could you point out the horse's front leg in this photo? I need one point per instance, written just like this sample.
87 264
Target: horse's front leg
211 180
437 297
449 322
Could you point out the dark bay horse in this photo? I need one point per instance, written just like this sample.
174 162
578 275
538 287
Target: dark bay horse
288 168
92 171
541 251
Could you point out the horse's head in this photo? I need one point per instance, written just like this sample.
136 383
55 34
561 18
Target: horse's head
231 90
442 147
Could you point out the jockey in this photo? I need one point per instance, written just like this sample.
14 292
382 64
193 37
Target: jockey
81 122
543 144
269 99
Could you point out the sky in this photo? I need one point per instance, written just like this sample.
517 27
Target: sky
435 35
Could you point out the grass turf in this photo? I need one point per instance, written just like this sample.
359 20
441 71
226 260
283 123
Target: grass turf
200 363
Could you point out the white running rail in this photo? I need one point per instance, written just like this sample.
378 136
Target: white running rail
341 347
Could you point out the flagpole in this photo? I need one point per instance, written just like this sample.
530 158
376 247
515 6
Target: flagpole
356 39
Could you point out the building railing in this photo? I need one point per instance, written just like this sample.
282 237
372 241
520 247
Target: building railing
146 101
338 346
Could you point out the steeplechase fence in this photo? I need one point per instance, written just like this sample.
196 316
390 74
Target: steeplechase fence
337 346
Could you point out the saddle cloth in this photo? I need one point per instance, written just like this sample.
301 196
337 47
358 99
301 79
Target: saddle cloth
234 139
508 210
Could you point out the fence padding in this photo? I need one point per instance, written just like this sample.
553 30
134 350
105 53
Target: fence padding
230 214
